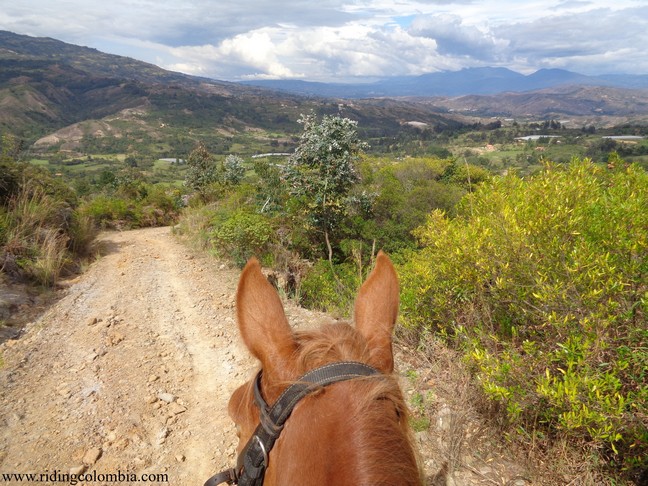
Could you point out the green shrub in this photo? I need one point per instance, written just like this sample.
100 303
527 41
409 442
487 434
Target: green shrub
241 236
405 192
110 211
323 290
543 283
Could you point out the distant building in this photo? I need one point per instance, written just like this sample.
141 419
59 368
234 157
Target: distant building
536 137
625 137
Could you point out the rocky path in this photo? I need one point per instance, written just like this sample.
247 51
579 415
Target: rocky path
130 371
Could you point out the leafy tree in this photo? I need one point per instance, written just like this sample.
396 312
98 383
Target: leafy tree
270 188
202 170
233 170
322 171
131 161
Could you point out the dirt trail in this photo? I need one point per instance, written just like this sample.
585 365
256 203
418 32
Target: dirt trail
132 370
135 364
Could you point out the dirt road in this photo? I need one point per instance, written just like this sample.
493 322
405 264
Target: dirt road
131 371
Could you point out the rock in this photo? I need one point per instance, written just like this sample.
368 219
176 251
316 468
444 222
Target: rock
166 397
92 321
162 435
76 470
91 456
153 378
114 338
519 481
180 457
175 408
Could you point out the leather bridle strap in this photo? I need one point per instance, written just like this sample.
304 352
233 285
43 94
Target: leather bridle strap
253 460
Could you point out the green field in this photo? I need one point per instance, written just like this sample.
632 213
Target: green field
496 149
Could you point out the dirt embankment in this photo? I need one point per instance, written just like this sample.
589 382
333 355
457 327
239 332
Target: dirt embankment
132 370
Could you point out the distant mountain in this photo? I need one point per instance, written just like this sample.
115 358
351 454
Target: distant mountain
470 81
582 103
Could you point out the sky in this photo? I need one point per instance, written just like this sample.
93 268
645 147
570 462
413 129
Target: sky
347 40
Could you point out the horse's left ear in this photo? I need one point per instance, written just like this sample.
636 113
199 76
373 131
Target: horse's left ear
263 324
376 310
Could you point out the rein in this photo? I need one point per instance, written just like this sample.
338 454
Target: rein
253 460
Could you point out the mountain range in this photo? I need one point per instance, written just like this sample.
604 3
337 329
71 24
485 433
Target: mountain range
58 96
469 81
55 94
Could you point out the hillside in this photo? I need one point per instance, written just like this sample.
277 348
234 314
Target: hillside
24 48
583 102
49 89
46 85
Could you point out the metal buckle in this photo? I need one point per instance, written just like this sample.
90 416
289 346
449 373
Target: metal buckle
263 450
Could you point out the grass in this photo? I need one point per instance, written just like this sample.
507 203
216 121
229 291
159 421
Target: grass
33 235
51 257
39 162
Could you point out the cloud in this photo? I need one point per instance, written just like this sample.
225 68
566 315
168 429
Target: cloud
338 40
455 38
592 41
253 53
318 53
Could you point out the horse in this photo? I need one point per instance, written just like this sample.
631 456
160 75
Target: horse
348 421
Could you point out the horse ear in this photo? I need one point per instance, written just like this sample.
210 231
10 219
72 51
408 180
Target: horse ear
263 324
376 310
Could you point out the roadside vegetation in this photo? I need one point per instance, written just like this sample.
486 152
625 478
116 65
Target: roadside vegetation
542 284
47 226
528 257
41 232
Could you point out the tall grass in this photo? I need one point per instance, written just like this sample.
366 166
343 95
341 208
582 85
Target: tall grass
39 234
50 256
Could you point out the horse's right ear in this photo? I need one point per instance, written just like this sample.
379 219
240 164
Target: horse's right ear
262 322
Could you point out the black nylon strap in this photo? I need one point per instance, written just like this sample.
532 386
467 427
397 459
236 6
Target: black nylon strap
253 460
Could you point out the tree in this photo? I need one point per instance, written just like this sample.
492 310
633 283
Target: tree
233 170
10 148
322 171
202 170
130 161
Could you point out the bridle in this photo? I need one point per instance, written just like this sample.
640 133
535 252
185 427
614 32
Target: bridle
253 460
